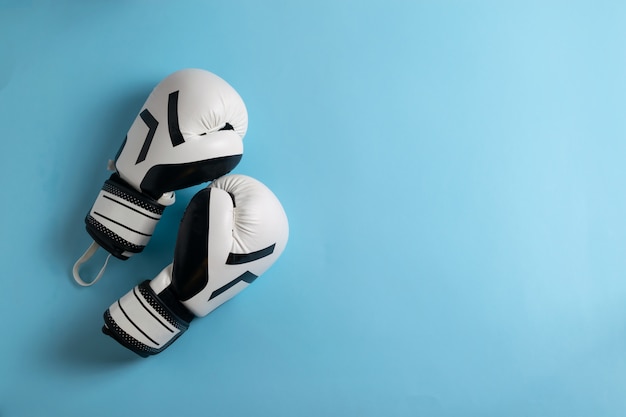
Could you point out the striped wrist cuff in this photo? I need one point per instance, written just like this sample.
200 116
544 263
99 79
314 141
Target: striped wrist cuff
142 322
122 220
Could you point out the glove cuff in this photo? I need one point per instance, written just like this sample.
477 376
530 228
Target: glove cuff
145 322
122 219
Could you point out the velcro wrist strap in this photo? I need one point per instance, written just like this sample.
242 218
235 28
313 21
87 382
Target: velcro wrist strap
142 322
122 220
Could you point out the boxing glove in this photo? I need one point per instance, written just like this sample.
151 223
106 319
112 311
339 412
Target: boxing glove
189 131
231 233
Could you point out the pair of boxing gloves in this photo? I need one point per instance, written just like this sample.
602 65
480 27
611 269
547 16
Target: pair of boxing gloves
189 132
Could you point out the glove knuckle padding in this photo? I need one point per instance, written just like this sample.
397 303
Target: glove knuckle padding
260 220
185 114
258 237
245 233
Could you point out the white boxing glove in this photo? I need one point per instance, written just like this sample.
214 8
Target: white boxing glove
189 131
230 234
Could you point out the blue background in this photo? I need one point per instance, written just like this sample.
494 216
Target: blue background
453 172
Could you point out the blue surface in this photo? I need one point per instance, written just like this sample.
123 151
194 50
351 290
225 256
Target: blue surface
454 178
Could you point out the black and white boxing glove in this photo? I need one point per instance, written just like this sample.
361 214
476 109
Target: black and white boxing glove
230 234
189 131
